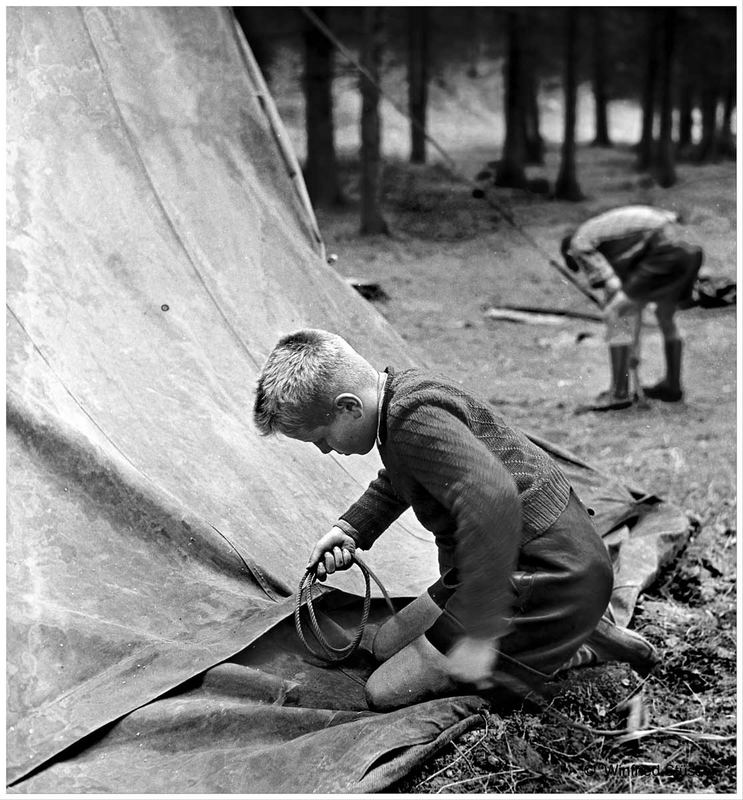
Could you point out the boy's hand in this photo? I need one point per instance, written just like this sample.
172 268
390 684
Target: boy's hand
612 285
473 661
618 304
334 551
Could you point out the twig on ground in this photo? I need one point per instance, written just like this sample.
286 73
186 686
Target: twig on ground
632 693
580 726
512 770
697 698
560 752
463 755
674 729
485 777
597 787
681 734
674 755
460 756
623 735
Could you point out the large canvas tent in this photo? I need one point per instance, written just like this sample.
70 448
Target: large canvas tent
159 240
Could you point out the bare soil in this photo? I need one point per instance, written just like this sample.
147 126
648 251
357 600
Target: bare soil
448 259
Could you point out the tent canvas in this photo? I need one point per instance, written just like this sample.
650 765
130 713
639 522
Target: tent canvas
159 240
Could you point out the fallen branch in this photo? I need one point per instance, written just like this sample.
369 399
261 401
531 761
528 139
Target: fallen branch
559 312
624 735
671 730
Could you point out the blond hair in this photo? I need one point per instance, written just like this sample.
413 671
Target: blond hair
300 379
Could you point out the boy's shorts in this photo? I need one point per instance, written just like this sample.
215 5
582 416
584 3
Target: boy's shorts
562 584
665 272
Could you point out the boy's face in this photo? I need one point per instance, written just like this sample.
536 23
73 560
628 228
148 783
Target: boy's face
352 430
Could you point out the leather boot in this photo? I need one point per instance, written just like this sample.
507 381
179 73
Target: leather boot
611 642
669 389
409 623
617 396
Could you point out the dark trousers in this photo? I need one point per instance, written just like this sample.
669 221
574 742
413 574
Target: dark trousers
562 586
665 272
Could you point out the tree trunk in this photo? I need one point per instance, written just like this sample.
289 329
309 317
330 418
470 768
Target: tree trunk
707 150
372 221
665 167
321 166
686 110
474 51
600 93
566 186
686 90
645 147
532 136
727 137
418 32
510 170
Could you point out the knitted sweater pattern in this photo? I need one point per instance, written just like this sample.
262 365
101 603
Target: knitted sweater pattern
542 487
480 486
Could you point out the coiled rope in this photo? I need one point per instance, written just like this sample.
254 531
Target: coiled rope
304 596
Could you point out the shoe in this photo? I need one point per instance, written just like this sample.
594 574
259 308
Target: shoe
606 401
582 657
669 389
610 642
662 392
618 396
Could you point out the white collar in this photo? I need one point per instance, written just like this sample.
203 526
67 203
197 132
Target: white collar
380 399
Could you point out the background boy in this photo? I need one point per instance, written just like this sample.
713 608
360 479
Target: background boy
524 581
635 254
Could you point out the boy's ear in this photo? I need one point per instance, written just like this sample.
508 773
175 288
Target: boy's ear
349 402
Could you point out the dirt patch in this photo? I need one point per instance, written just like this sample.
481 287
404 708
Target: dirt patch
450 257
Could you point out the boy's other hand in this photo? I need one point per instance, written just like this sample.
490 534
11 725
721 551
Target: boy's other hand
334 551
473 661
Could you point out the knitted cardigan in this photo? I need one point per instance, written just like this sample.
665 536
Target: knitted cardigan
480 486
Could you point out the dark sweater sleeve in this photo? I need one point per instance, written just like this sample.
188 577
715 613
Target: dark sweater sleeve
373 512
442 454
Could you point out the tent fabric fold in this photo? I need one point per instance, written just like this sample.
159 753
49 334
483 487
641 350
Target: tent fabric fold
237 732
159 240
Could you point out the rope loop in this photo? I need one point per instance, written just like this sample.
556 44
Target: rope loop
304 596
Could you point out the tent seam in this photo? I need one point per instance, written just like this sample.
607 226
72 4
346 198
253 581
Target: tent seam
158 197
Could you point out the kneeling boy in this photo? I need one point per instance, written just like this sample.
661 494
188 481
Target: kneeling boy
525 579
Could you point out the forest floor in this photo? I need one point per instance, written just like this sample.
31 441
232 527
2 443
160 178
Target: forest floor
449 258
